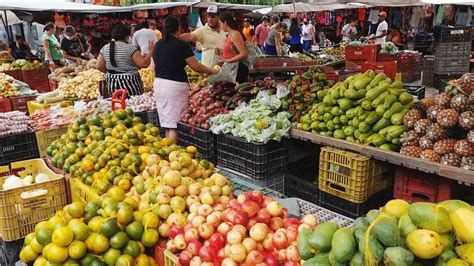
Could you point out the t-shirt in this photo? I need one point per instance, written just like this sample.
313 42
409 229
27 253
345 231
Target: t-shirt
247 33
53 46
74 47
271 37
123 57
170 59
350 30
383 26
262 32
296 37
308 32
210 40
142 38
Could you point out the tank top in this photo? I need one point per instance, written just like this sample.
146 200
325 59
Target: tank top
228 52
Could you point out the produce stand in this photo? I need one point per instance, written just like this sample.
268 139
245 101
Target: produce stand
391 157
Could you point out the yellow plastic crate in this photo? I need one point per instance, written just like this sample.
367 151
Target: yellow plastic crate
352 176
82 192
21 211
35 106
46 137
170 259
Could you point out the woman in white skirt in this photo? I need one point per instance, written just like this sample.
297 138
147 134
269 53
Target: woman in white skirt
171 56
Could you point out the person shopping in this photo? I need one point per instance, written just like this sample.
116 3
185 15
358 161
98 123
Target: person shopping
51 47
121 60
296 33
171 55
235 50
74 46
349 30
273 41
21 49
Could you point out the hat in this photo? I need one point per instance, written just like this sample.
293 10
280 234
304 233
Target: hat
212 9
383 14
264 18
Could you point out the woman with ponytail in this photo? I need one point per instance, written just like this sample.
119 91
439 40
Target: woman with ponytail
121 60
171 87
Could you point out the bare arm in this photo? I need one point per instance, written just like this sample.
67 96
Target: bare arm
195 65
47 51
101 63
278 44
70 57
188 37
144 61
238 41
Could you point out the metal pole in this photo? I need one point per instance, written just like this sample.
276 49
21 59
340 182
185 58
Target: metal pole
7 28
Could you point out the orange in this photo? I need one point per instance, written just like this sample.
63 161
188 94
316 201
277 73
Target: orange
27 254
57 254
87 164
76 209
77 250
191 149
124 184
63 236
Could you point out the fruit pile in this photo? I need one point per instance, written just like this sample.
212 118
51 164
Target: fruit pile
148 78
84 86
71 71
6 86
365 108
442 128
249 230
339 52
22 64
399 234
197 80
53 118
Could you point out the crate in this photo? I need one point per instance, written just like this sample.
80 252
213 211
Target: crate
276 61
241 183
384 57
150 116
20 212
389 68
34 106
441 80
18 147
5 105
351 209
413 186
46 137
256 160
354 65
411 76
450 34
428 70
20 103
351 176
416 90
81 191
300 188
452 65
10 251
409 59
452 49
362 53
16 74
204 140
37 79
324 215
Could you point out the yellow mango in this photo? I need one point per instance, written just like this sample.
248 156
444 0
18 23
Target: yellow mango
462 220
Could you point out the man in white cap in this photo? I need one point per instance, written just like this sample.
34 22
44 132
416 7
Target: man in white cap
382 28
210 36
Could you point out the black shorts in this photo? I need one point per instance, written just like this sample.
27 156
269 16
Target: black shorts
242 73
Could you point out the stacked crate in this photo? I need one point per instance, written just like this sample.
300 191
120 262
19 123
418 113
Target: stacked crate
410 65
428 71
358 56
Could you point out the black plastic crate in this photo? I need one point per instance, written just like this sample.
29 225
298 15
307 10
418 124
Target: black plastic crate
10 251
354 210
416 90
441 80
274 182
203 140
256 160
301 188
151 117
452 49
18 147
428 70
452 64
451 34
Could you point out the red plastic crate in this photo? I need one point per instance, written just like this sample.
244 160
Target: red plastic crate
389 68
158 252
354 65
16 74
383 57
362 53
414 186
37 79
5 105
20 102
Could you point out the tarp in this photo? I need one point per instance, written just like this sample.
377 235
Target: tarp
304 7
11 18
229 6
453 2
393 3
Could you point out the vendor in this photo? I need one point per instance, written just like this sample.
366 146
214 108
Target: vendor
20 49
235 50
52 48
349 30
382 29
75 47
273 41
120 60
171 55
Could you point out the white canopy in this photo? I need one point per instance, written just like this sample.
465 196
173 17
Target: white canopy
228 6
55 5
454 2
393 3
11 18
304 7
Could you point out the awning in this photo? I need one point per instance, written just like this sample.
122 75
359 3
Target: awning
10 18
453 2
393 3
228 6
304 7
55 5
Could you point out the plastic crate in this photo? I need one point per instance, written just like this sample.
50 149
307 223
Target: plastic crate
37 79
274 185
35 106
354 65
204 140
384 57
5 105
351 209
256 160
450 34
411 75
428 70
389 68
452 64
452 49
82 192
170 259
20 212
10 251
441 80
324 215
298 187
46 137
362 53
351 176
20 103
413 186
416 90
16 74
17 147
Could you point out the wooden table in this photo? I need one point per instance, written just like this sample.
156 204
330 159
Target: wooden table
394 158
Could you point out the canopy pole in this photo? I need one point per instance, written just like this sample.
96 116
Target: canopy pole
7 28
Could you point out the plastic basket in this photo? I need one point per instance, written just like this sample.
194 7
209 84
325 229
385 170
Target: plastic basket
35 106
324 215
441 80
19 212
274 186
5 105
18 147
82 192
46 137
170 259
204 140
452 34
362 53
20 103
452 49
37 79
16 74
351 176
452 64
256 160
298 187
416 90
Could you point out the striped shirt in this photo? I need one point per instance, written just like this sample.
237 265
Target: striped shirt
123 57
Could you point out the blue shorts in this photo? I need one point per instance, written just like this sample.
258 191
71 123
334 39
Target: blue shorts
270 50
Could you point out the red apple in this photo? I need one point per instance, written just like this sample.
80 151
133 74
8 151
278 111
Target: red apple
292 232
219 207
260 247
207 254
293 254
254 257
251 223
271 260
217 241
171 247
229 215
242 198
194 246
228 262
241 218
258 232
263 216
205 210
268 242
214 219
224 228
185 258
196 261
280 240
281 255
179 242
205 230
276 223
240 228
311 220
234 237
175 230
190 234
266 200
250 207
237 253
274 208
249 244
257 196
290 221
198 220
291 263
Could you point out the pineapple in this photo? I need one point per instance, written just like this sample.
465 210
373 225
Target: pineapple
411 151
444 146
421 126
466 120
466 83
411 117
461 103
435 132
467 163
430 155
451 159
432 112
464 148
447 118
442 100
420 106
426 143
428 102
409 138
470 136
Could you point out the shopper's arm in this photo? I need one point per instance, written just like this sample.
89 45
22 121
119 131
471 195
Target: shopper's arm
143 61
101 63
188 37
70 57
238 41
278 44
195 65
48 52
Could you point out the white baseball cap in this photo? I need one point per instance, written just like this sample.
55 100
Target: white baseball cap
213 9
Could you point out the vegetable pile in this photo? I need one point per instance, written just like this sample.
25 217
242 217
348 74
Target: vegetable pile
142 103
258 121
95 107
84 86
148 78
14 122
399 234
71 71
53 118
13 181
365 108
22 64
7 89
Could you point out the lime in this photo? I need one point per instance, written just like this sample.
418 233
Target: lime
27 254
63 236
98 262
43 225
81 231
124 260
131 248
43 236
57 254
119 240
76 209
96 223
150 237
77 250
100 244
134 230
70 262
109 228
111 256
87 259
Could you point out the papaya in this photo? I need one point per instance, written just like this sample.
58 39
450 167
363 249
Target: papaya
303 244
452 205
428 216
386 232
466 252
320 259
405 225
448 241
321 238
457 262
376 249
357 260
343 245
462 220
398 256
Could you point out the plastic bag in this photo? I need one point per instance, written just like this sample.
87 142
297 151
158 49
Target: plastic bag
228 73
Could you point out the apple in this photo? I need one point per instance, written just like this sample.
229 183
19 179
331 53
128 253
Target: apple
206 198
250 207
226 190
191 234
290 221
274 208
234 237
310 219
185 258
266 200
207 254
216 190
205 230
236 206
254 257
179 241
224 228
281 254
164 230
268 242
258 232
194 189
227 249
302 226
221 253
217 241
229 215
280 240
293 254
219 207
191 199
260 247
256 196
251 223
249 244
292 232
276 223
197 221
243 197
194 208
190 217
241 218
214 219
241 229
228 262
271 260
194 246
291 263
237 253
175 230
205 210
171 247
263 216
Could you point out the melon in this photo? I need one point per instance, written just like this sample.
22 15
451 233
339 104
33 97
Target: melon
452 205
343 245
425 244
386 232
430 217
406 225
